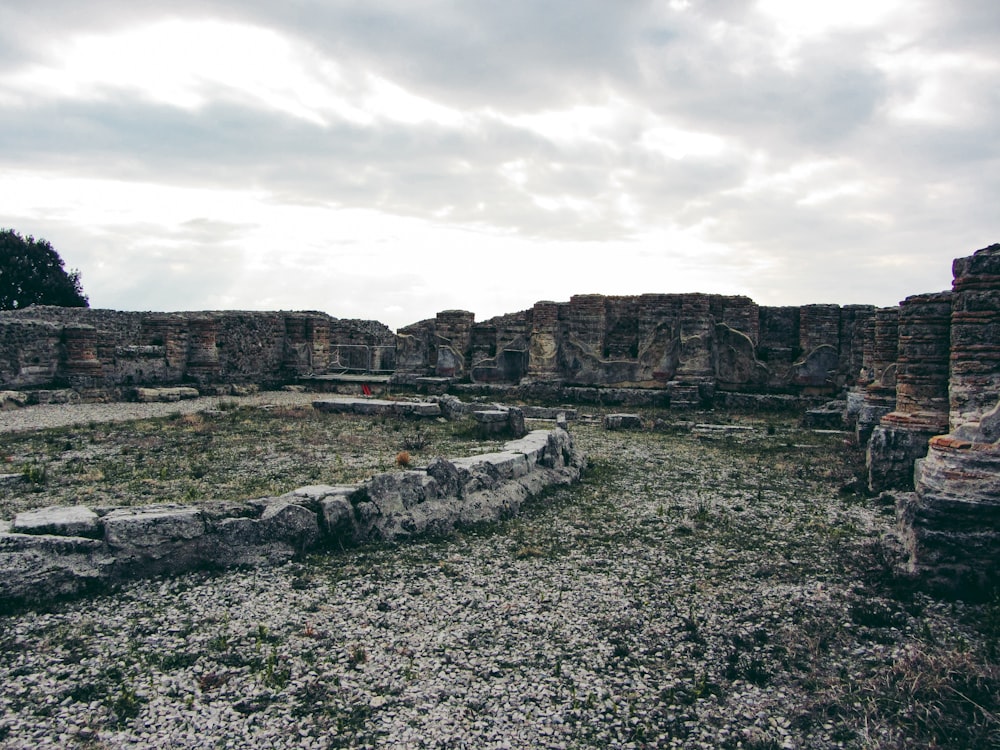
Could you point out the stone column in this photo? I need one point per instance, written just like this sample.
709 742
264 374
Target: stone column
203 356
950 527
921 393
880 393
543 346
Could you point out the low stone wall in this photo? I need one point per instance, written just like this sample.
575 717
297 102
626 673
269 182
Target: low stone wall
60 551
378 407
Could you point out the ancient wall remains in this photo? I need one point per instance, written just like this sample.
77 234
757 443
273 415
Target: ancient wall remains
45 347
687 344
61 551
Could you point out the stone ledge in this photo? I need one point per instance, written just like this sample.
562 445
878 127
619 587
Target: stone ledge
378 407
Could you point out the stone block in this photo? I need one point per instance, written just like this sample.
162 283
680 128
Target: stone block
12 400
39 567
532 445
337 517
73 520
152 527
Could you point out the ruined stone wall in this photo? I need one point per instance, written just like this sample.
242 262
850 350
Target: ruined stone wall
44 347
779 343
500 348
59 551
690 344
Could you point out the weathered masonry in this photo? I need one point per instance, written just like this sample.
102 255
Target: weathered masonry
46 347
60 551
688 345
921 380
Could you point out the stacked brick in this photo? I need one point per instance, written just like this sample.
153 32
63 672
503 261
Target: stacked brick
880 368
921 410
951 525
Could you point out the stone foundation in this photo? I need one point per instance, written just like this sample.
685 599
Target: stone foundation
63 551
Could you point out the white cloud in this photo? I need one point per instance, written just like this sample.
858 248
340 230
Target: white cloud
365 158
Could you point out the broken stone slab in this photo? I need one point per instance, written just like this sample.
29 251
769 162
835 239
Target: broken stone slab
622 422
416 409
73 520
500 420
830 416
168 395
400 490
312 496
490 416
337 514
532 445
723 428
352 405
7 480
549 412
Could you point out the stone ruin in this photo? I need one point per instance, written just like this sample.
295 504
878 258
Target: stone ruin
950 525
61 551
106 353
917 383
687 347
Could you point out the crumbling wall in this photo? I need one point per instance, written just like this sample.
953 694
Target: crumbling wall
45 347
688 344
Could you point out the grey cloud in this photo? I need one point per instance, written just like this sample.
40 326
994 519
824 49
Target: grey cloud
933 184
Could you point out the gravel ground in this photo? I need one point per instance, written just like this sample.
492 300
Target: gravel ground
47 416
693 591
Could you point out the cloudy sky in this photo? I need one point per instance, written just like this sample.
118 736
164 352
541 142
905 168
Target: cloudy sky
389 159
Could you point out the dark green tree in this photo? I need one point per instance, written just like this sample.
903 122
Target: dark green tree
32 273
